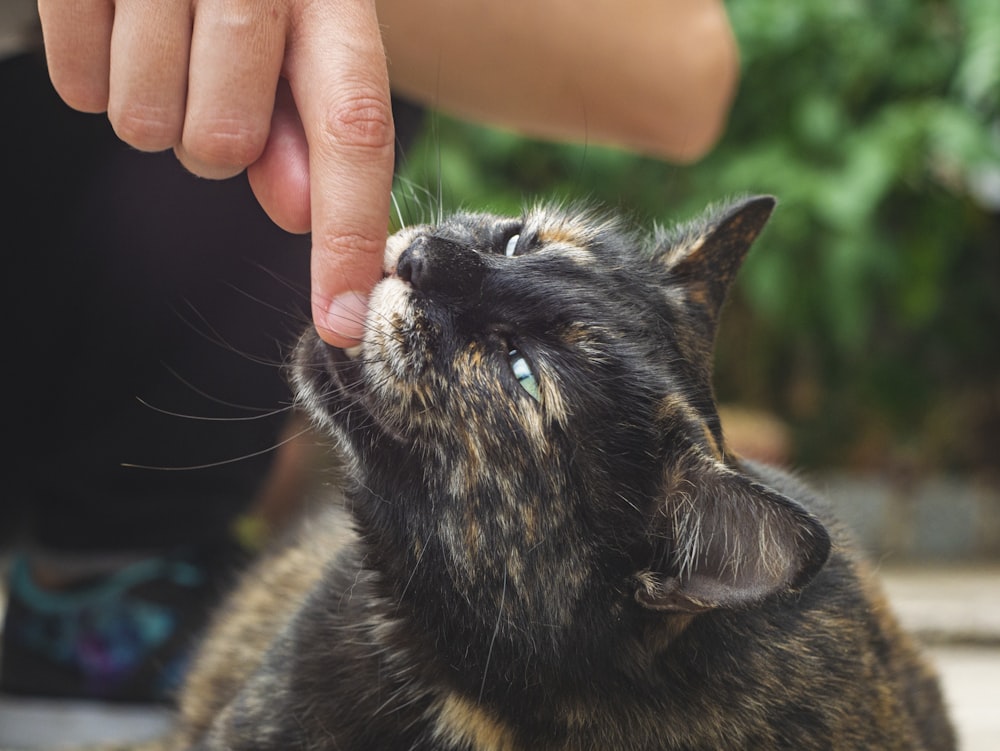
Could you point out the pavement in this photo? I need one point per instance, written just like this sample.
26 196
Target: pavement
953 608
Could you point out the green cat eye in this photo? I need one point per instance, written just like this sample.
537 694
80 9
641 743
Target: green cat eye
524 374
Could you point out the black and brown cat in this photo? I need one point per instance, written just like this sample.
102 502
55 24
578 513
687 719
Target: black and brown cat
545 543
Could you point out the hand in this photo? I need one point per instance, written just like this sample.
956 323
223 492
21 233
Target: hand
295 91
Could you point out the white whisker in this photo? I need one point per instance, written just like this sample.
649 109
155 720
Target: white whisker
222 462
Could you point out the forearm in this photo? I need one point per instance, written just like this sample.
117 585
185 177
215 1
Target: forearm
656 76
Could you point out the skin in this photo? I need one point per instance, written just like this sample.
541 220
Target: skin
296 92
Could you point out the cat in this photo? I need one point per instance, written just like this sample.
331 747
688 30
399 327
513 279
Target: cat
544 542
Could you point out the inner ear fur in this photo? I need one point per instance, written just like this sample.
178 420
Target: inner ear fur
733 541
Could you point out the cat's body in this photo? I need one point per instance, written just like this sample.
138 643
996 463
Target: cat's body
546 544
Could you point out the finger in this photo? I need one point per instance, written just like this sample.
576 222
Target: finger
77 35
236 54
337 70
149 67
280 178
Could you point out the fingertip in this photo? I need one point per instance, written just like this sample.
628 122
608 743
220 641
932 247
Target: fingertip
280 177
281 196
90 96
345 269
342 322
208 170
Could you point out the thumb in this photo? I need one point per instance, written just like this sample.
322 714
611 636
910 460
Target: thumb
337 71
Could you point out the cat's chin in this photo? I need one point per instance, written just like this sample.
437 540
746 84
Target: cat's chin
344 366
323 374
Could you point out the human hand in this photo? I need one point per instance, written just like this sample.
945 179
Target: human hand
208 79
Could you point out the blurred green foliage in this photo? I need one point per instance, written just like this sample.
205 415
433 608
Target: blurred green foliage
868 316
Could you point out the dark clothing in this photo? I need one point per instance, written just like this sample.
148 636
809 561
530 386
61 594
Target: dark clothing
135 287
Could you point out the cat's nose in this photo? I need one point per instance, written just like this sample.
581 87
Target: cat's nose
411 266
432 264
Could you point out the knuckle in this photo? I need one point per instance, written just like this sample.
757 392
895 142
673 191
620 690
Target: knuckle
347 243
146 127
225 143
361 120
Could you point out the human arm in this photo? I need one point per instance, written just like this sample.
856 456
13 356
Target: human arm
653 76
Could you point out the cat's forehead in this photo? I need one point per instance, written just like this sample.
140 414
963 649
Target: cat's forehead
547 226
577 226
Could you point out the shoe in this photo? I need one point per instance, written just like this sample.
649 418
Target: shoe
125 637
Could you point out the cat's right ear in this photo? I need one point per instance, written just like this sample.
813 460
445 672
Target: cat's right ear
731 541
704 256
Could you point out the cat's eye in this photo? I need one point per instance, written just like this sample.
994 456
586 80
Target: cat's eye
511 248
524 374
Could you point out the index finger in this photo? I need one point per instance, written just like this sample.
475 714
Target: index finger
337 71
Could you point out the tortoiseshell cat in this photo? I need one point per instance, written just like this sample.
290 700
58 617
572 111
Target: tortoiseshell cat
546 543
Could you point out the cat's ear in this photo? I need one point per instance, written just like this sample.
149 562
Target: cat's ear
733 541
704 256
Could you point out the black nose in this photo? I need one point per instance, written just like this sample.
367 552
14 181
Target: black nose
432 264
411 266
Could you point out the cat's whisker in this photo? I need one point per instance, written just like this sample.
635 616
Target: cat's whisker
398 210
413 572
215 399
221 462
212 335
493 639
298 316
206 418
419 203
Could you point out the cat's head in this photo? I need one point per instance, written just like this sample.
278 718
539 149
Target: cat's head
532 418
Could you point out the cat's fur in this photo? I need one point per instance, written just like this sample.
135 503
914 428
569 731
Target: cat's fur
571 562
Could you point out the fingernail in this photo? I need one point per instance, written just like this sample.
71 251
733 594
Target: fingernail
346 314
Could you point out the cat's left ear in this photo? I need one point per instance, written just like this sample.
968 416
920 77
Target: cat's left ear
733 541
704 256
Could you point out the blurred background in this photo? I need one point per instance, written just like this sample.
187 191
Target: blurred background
863 338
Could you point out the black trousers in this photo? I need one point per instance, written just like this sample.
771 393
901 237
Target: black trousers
139 301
